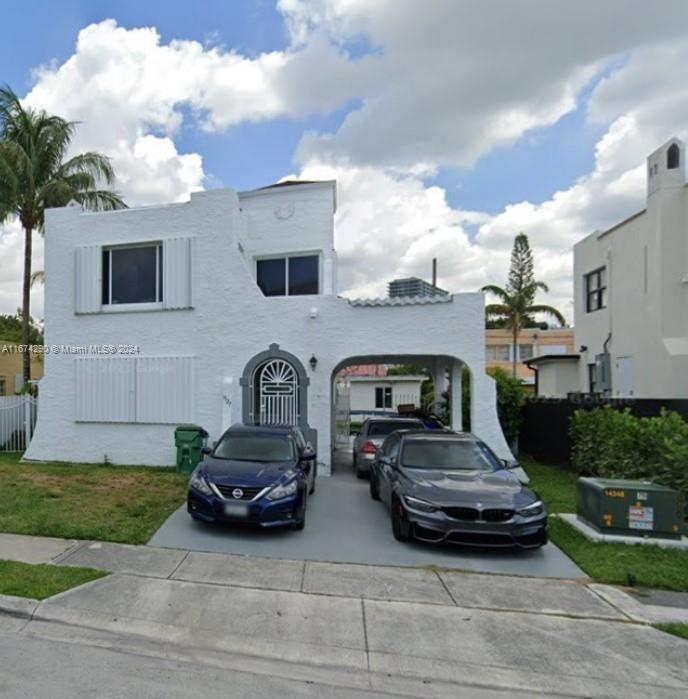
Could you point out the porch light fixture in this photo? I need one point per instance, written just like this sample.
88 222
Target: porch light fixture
313 361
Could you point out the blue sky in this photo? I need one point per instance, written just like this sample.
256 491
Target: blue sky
249 155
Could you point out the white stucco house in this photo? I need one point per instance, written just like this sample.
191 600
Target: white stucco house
224 309
631 292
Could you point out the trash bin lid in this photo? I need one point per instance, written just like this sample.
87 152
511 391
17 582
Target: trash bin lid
191 428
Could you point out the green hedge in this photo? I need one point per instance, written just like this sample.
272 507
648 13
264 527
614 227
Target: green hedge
612 444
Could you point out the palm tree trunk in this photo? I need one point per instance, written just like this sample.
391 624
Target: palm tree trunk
514 351
26 301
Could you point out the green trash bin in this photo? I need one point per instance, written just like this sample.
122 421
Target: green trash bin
189 440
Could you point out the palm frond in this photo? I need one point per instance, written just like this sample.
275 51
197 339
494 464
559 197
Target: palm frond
497 291
96 165
37 277
548 311
100 200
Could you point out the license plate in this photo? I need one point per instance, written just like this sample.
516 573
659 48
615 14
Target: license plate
236 509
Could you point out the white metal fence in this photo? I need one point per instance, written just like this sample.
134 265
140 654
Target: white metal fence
17 421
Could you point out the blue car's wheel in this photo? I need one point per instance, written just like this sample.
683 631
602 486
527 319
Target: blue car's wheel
401 527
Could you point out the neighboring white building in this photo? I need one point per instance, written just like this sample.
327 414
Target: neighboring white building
219 310
631 292
382 395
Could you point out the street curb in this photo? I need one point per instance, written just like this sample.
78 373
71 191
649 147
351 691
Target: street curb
637 611
22 607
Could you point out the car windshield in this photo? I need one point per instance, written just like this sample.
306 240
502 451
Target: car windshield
254 447
383 428
448 455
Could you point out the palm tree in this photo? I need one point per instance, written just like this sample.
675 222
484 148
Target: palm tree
516 308
35 176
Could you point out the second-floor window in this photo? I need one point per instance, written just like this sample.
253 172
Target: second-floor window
525 352
498 353
295 275
596 290
132 274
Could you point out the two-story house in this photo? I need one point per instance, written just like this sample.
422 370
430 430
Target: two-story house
631 292
223 309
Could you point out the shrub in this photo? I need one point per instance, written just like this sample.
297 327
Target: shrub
510 399
612 444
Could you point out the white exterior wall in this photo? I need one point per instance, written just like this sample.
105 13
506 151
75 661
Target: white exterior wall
229 323
362 396
557 379
646 317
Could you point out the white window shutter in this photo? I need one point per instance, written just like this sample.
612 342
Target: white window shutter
105 389
164 389
88 278
176 255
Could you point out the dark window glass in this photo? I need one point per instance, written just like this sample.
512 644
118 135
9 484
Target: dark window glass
259 447
133 274
449 455
596 290
271 277
303 275
106 276
380 428
673 157
383 397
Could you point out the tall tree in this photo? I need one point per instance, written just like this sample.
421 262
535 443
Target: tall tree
36 175
516 308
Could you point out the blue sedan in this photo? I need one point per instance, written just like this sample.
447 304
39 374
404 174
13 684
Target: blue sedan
259 475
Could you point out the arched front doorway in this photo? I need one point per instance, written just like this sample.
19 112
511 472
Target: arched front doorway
274 389
275 393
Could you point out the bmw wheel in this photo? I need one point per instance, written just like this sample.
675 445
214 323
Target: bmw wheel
401 527
374 489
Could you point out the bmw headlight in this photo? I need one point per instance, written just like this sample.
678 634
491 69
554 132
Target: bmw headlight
533 510
419 505
197 482
283 491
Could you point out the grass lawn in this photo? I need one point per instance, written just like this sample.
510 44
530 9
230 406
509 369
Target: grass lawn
652 566
41 581
680 630
126 504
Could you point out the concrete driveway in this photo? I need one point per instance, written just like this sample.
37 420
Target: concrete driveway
345 526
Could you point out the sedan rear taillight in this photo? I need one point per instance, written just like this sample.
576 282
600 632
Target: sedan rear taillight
369 448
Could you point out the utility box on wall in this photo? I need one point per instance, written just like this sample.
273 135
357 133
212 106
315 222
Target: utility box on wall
630 508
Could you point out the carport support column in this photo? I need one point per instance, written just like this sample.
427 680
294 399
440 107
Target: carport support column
440 384
456 405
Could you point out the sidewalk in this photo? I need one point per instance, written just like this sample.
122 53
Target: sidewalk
416 624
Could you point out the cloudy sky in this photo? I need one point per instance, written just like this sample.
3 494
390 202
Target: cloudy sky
450 125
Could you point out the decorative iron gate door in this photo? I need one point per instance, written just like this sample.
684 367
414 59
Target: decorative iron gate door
278 393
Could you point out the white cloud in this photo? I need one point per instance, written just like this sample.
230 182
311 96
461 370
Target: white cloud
456 79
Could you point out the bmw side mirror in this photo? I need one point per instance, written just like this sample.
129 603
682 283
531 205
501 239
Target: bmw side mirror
308 453
207 450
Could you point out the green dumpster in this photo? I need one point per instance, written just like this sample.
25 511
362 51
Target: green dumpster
189 440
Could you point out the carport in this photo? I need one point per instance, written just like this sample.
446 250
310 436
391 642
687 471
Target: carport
345 525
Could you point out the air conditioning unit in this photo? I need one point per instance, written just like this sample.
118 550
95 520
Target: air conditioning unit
630 508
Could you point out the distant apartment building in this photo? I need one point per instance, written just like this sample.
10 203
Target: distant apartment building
532 342
414 286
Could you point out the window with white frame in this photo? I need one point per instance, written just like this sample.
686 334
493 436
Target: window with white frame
525 352
383 397
498 353
596 290
132 274
292 275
